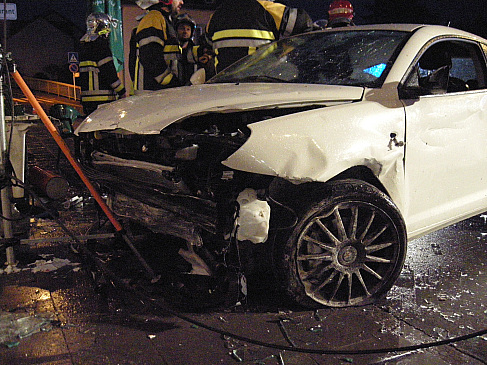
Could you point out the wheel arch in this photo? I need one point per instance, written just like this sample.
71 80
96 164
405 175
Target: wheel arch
287 192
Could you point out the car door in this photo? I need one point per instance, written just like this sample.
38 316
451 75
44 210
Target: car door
446 136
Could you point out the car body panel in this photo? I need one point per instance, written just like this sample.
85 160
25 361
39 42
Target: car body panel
317 145
446 159
150 112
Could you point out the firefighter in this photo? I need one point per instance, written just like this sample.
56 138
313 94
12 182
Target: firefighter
238 27
340 14
157 47
185 27
99 81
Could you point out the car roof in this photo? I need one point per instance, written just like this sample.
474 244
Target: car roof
431 29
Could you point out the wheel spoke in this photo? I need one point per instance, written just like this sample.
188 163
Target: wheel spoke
367 227
337 286
361 279
352 229
330 235
381 260
369 270
316 256
316 273
349 297
375 248
323 245
339 225
328 280
373 238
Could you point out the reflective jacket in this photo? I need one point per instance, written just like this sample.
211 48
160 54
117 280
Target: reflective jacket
238 27
99 81
157 51
189 62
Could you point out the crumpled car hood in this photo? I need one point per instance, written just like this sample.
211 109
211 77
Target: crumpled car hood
152 111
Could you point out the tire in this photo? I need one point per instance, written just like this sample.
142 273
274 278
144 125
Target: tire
347 248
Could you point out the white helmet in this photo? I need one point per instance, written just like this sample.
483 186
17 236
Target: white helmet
98 24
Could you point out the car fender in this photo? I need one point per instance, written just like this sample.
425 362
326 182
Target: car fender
317 145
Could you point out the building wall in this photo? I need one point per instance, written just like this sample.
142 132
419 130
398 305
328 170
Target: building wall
40 45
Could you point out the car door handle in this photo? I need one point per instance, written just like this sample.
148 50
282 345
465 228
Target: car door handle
394 142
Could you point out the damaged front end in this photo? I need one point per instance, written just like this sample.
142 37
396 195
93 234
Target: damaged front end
174 183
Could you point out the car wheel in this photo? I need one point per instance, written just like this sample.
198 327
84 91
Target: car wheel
347 248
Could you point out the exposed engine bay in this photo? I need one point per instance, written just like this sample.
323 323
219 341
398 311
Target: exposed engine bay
175 183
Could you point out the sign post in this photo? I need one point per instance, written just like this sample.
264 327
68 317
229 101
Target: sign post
73 60
8 11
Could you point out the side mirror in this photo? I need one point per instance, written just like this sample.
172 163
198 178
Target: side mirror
199 77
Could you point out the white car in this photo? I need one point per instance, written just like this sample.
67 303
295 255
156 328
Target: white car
327 151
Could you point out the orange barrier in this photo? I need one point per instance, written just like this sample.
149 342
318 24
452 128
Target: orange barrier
64 147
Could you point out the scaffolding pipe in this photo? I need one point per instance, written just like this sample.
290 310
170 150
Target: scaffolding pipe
77 167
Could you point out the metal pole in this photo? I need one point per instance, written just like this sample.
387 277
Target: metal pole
6 193
4 24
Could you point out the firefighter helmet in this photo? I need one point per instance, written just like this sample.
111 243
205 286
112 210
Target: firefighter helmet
144 4
340 11
185 19
98 24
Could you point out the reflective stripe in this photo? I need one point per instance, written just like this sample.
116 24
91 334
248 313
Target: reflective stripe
139 76
117 85
194 52
87 63
151 39
192 57
99 98
243 33
291 22
229 43
161 77
167 79
97 92
172 48
93 82
105 60
344 11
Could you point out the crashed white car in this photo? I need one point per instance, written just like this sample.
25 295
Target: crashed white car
327 151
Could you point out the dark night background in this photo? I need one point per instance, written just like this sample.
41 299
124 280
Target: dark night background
470 15
46 30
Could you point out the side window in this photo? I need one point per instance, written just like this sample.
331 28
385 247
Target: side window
449 67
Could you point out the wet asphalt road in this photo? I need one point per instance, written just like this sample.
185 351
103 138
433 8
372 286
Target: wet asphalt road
441 294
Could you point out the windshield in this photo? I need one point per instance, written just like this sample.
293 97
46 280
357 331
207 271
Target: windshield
356 58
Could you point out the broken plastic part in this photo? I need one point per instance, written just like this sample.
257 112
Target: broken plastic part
253 218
